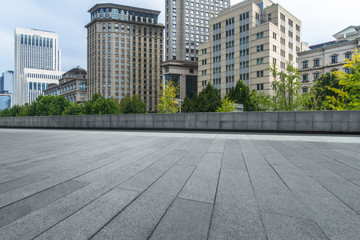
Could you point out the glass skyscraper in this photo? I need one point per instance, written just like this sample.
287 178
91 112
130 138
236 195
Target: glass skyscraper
7 83
37 63
5 100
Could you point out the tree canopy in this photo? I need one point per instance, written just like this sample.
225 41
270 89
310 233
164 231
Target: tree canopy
347 95
99 105
227 105
316 99
241 95
208 100
132 104
286 87
168 101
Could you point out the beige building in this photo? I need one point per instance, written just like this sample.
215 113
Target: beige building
72 86
125 52
244 40
328 57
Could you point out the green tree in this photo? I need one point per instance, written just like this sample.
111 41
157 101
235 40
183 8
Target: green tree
286 87
263 102
132 105
11 112
190 104
347 96
48 106
168 102
98 105
208 100
43 106
74 109
241 95
227 105
316 98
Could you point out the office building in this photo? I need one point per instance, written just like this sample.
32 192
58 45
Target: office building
5 100
37 63
72 86
187 25
7 83
125 53
245 40
328 57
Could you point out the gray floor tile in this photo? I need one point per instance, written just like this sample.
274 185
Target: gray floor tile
184 220
139 219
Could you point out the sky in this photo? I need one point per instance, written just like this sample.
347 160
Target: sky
320 20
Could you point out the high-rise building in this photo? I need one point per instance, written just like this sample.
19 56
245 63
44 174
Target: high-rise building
245 40
328 57
125 53
5 100
37 63
187 26
7 83
72 86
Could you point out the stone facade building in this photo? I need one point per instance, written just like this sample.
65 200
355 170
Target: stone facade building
125 53
244 41
328 57
72 86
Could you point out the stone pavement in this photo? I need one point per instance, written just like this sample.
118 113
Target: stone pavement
57 184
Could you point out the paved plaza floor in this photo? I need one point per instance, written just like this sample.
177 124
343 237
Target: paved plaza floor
62 184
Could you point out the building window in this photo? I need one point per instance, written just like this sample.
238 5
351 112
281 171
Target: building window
282 16
334 58
316 62
348 55
260 74
260 48
305 78
305 64
347 71
260 35
305 90
316 76
260 61
260 86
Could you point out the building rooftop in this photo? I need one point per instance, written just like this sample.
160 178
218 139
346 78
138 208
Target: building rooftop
124 7
326 44
77 70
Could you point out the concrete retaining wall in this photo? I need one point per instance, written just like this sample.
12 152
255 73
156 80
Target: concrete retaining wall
326 121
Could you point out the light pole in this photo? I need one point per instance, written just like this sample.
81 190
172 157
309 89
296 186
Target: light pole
180 100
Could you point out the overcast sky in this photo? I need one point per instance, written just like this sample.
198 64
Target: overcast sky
320 20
